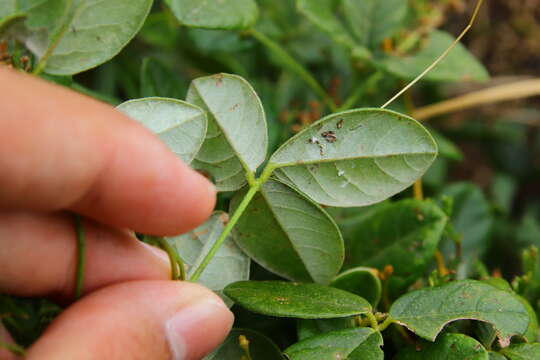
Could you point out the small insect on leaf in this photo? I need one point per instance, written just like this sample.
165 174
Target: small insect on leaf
339 124
329 136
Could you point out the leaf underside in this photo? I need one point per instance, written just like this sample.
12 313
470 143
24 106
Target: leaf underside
371 155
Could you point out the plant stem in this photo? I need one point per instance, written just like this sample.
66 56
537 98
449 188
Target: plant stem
178 271
232 222
289 62
351 101
13 348
81 249
254 188
418 191
388 321
516 90
373 323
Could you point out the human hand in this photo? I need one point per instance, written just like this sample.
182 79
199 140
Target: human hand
62 152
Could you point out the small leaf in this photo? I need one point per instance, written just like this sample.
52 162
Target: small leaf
362 281
350 344
237 138
522 352
299 242
448 347
374 20
229 264
260 347
356 158
79 35
428 310
459 64
404 234
180 125
215 14
304 301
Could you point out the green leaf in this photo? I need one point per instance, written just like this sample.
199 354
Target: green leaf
362 281
375 154
522 352
374 20
531 335
495 356
459 64
300 240
77 35
308 327
404 234
428 310
215 14
181 126
472 219
322 14
260 347
448 347
237 138
288 299
229 264
350 344
158 80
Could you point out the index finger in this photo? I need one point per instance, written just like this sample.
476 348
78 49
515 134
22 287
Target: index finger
62 150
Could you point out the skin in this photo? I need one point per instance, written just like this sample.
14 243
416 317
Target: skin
60 153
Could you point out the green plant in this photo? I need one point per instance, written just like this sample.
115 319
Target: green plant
353 272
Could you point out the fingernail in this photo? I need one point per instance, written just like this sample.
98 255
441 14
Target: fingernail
158 253
192 324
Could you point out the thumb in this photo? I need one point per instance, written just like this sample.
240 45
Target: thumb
138 320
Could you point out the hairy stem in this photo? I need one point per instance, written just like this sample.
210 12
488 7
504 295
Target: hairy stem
289 62
81 249
373 323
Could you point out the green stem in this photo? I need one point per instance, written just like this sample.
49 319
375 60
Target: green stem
387 322
81 249
178 271
254 188
373 323
289 62
232 222
351 101
13 348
